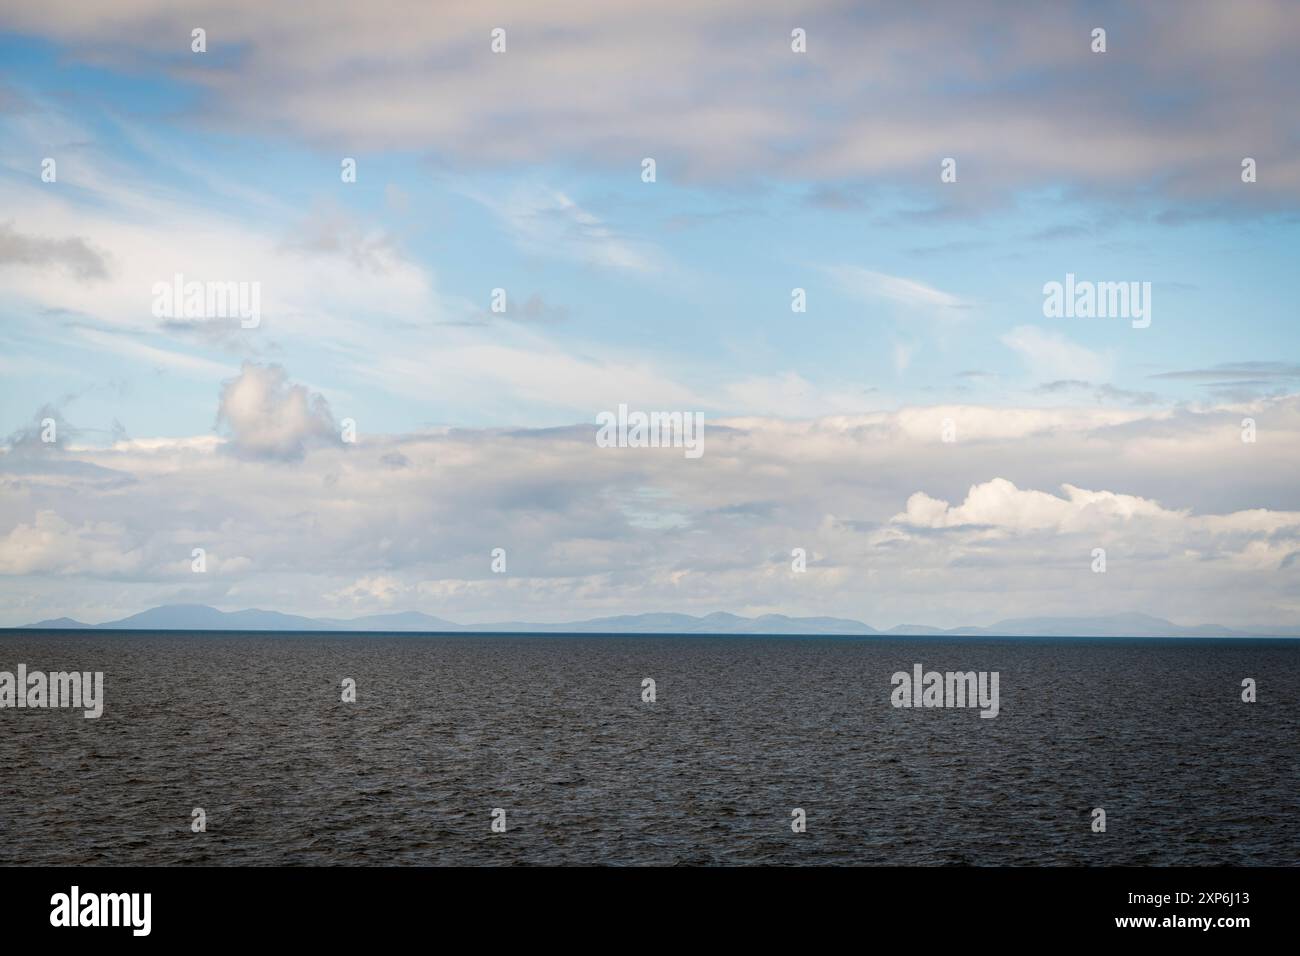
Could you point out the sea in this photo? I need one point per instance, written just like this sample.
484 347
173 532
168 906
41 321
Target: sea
239 749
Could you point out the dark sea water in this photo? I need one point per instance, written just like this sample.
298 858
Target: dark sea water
553 729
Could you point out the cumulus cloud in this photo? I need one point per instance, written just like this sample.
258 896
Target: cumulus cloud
998 520
268 417
1000 504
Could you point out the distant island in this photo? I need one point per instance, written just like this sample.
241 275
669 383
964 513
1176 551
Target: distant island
200 617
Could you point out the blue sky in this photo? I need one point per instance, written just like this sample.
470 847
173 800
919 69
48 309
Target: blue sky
522 170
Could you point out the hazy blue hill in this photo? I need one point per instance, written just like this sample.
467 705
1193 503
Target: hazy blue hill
914 630
61 622
1272 631
399 621
625 623
1116 625
200 617
780 624
717 623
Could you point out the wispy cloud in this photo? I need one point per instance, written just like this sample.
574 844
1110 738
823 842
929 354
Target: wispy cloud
1281 371
547 222
914 296
1050 356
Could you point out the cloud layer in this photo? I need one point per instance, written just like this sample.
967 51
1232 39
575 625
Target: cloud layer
1185 90
898 525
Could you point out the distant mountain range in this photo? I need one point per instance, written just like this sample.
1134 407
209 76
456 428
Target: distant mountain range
200 617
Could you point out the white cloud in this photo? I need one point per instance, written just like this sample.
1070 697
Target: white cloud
370 591
916 297
1050 356
49 544
902 357
330 279
1000 504
152 355
270 418
547 222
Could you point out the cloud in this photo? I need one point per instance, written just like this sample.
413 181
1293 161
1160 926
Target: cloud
1100 393
1000 504
715 91
902 355
547 222
1250 541
789 395
331 278
269 418
49 544
1051 356
534 310
370 591
1239 381
72 255
907 300
916 297
1252 371
30 438
1198 526
154 356
329 230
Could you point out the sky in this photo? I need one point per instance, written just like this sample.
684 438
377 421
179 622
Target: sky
938 448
